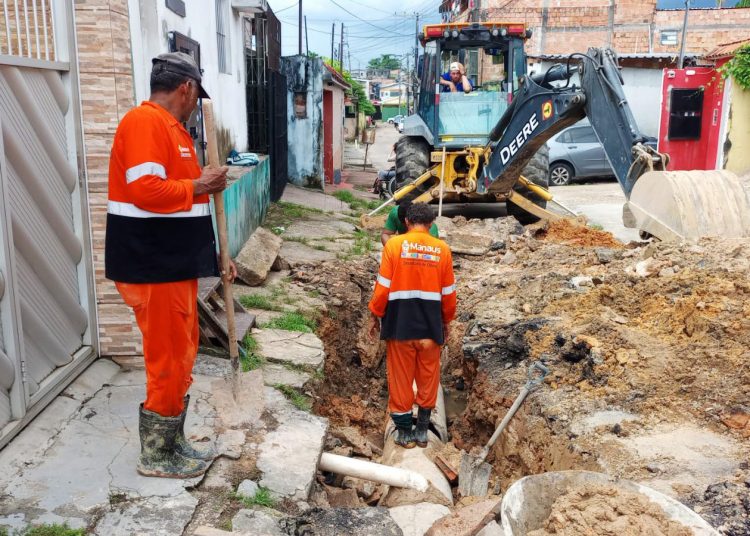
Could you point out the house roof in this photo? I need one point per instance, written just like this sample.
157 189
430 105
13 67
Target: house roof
660 56
334 76
726 50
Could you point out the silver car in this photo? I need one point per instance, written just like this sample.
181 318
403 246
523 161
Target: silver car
575 153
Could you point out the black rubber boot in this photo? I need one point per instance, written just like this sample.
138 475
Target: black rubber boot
423 425
158 454
185 447
404 433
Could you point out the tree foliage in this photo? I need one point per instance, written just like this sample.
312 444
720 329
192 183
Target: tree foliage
739 67
743 3
385 61
357 91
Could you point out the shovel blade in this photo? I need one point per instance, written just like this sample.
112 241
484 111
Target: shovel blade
473 476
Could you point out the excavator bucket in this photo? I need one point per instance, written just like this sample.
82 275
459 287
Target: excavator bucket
679 206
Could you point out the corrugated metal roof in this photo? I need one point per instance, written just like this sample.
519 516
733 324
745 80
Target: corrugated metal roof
727 50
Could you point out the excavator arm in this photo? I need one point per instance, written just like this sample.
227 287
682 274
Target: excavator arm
674 205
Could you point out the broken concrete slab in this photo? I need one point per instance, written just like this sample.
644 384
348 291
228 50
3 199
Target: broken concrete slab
469 520
275 374
101 372
288 456
338 521
467 243
416 519
300 349
256 522
296 254
318 226
257 256
155 516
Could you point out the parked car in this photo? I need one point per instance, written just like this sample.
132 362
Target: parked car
576 153
395 119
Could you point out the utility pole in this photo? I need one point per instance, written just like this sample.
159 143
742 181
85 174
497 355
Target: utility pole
408 78
341 51
333 33
307 43
681 63
299 24
416 56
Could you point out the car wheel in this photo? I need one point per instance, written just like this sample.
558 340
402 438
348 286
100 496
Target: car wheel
560 174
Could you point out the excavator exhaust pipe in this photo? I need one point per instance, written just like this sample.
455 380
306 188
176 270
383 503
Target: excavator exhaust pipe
676 206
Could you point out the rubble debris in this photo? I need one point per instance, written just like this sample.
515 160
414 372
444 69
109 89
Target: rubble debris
468 520
258 256
416 519
338 521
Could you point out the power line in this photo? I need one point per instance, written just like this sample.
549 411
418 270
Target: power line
285 8
358 18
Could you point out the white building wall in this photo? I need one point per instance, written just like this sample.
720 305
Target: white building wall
642 89
150 24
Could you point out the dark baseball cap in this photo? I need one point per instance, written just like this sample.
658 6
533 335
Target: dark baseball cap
180 63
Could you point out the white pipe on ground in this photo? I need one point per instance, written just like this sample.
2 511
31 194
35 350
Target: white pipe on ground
383 474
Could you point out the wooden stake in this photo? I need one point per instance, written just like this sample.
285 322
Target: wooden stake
221 226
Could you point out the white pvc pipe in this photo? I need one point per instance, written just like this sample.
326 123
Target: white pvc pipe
383 474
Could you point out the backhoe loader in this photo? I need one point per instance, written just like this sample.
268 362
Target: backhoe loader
479 146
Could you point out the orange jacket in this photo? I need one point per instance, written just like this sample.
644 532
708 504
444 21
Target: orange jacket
415 293
157 230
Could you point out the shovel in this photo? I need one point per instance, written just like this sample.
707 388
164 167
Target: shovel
474 473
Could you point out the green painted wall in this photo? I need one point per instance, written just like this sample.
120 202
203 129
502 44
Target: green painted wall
392 111
246 202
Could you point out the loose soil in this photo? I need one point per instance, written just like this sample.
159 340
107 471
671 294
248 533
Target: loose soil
656 332
599 510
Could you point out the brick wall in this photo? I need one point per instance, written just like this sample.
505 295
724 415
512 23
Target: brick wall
106 75
629 26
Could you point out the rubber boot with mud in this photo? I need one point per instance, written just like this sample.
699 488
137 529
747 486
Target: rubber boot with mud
185 447
423 425
404 433
158 456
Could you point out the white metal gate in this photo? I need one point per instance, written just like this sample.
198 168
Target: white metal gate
46 282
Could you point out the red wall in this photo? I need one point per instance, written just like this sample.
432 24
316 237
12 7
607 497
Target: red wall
701 153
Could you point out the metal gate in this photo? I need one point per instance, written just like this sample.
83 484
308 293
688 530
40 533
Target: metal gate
278 134
47 322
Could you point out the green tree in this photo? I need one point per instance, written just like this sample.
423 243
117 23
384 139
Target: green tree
357 91
743 3
385 61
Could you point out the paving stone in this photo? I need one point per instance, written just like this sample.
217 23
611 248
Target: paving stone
256 522
257 256
467 521
274 373
349 521
288 456
247 488
302 349
416 519
297 254
155 516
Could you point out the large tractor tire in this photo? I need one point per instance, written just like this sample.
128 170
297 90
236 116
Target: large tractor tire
412 160
537 171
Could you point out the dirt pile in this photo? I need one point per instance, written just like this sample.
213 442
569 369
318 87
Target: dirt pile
599 510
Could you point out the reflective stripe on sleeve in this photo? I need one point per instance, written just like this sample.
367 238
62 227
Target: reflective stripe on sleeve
128 209
383 281
449 290
412 294
147 168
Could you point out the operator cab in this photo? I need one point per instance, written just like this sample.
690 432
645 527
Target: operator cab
494 60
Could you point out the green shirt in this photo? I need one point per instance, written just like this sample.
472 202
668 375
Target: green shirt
395 225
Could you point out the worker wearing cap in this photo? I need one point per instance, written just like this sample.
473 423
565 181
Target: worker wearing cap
455 79
159 241
413 304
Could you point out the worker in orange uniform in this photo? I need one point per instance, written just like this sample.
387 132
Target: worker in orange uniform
413 304
159 241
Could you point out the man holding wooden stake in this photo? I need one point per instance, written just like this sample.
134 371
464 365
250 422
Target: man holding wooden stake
159 241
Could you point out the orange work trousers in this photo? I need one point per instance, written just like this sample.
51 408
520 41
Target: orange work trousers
168 319
409 361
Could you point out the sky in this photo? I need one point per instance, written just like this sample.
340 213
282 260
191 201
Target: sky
371 28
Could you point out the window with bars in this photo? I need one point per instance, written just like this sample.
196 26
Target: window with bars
222 36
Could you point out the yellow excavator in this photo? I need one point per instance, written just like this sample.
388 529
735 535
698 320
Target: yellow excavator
485 145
